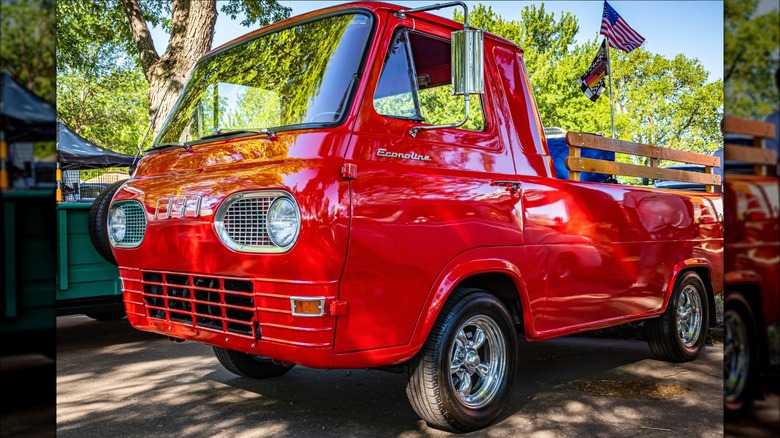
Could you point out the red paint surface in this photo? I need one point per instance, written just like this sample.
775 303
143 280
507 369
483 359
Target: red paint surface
393 242
753 242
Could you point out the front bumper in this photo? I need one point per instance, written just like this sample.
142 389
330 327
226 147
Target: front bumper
246 314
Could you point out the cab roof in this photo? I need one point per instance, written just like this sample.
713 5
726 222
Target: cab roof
364 5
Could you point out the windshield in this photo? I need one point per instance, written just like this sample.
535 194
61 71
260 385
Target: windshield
301 76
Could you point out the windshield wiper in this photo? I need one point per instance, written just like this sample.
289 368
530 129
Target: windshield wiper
188 144
165 145
221 133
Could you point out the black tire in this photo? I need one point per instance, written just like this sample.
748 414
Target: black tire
98 222
683 345
249 365
431 388
109 315
740 357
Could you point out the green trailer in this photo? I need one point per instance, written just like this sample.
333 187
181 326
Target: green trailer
28 271
86 283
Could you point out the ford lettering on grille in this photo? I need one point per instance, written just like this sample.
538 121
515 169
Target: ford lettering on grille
177 207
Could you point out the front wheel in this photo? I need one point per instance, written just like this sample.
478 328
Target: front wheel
678 334
463 376
250 365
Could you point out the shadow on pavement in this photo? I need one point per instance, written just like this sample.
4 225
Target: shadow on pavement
113 380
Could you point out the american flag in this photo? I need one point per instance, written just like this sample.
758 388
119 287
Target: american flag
620 34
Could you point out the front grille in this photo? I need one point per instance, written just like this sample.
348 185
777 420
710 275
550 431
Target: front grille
215 303
245 221
135 225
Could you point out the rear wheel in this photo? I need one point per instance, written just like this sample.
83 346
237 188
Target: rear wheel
678 334
98 222
250 365
740 356
463 376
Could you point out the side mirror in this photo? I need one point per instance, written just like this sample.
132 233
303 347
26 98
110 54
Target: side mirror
467 62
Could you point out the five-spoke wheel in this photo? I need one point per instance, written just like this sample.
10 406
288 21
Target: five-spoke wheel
462 378
689 314
477 359
678 334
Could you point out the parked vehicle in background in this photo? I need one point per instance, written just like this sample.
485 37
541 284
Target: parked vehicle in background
681 185
752 270
346 222
86 282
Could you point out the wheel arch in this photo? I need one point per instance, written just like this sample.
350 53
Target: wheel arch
703 269
496 276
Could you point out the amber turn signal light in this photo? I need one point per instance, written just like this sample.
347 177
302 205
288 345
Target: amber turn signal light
307 306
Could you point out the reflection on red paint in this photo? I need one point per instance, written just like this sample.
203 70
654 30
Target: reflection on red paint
389 240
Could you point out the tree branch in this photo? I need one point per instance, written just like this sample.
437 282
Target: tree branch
143 39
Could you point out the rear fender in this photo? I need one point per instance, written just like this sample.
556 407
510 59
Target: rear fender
687 265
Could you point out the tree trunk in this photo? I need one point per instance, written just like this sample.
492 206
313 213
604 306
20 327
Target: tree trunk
192 32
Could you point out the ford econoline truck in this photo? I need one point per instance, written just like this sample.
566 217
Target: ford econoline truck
368 186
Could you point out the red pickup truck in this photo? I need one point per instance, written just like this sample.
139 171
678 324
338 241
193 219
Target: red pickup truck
312 199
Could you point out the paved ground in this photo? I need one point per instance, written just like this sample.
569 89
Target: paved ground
763 421
115 381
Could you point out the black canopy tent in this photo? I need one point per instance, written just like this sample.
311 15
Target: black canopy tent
23 115
75 152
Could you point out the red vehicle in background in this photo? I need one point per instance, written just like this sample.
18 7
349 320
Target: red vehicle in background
752 266
319 197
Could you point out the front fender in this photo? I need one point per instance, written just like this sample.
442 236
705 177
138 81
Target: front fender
466 264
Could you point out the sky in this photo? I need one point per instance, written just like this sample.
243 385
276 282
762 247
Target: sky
693 28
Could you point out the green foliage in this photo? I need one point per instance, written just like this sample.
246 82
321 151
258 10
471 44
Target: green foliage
109 110
27 44
751 58
665 102
102 92
240 88
262 12
93 38
438 106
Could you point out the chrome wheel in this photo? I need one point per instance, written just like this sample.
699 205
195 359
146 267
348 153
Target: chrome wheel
689 316
477 361
736 357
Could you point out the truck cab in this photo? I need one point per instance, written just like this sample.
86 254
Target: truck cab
318 196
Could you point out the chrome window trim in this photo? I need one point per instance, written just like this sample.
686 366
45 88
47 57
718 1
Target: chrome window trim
111 240
224 237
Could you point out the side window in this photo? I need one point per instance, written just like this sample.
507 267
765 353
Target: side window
415 83
395 94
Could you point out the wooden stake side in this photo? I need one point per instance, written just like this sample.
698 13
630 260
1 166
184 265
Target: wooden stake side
753 128
638 171
757 154
592 141
576 164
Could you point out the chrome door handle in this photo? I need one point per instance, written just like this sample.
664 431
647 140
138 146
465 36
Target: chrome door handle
514 186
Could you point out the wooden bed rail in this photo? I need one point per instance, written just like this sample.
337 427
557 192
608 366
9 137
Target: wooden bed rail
576 163
757 154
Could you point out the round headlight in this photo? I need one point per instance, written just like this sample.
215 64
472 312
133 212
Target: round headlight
117 223
283 222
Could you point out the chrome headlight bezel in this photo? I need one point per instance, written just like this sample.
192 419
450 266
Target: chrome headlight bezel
278 203
135 230
268 196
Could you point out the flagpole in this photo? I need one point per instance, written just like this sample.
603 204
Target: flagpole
611 105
